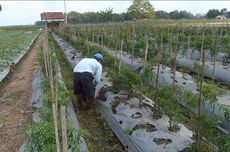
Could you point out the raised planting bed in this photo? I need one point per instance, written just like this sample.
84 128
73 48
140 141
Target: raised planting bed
185 81
222 72
137 121
195 55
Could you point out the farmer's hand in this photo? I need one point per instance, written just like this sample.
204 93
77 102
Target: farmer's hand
95 83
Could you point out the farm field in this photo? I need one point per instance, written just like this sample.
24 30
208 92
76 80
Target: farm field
140 46
15 42
114 76
147 97
15 94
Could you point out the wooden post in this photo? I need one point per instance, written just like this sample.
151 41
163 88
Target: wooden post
54 107
64 129
133 47
98 40
171 43
102 43
174 73
146 48
122 41
93 37
56 97
158 69
44 54
200 91
188 46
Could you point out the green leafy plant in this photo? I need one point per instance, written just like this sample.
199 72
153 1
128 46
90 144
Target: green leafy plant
128 130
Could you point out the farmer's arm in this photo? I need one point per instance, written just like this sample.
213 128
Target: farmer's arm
98 74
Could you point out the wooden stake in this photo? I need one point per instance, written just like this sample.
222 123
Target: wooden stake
54 108
44 54
188 46
200 92
122 41
174 73
64 129
133 47
146 48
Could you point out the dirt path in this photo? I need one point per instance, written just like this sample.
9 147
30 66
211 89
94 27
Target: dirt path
15 95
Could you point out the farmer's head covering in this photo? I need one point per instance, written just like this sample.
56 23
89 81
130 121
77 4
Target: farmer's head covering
99 57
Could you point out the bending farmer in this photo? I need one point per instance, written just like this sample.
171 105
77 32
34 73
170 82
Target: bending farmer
87 74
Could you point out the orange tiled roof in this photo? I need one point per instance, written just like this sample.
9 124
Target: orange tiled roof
52 15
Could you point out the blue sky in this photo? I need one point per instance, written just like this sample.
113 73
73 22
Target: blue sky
27 12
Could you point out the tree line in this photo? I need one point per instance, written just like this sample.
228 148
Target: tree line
109 16
140 9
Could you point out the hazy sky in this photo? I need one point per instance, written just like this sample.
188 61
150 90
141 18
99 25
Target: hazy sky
27 12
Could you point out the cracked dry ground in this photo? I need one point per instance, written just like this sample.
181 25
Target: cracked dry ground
15 96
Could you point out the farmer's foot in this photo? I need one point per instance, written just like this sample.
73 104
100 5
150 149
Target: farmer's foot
89 104
79 100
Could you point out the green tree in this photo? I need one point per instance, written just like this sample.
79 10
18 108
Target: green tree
224 11
186 15
174 14
107 15
40 23
212 13
162 15
74 17
141 9
180 15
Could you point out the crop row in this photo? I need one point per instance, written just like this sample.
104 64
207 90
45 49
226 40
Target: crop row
136 35
14 44
164 96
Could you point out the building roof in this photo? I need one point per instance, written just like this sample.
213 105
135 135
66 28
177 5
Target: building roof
48 16
220 16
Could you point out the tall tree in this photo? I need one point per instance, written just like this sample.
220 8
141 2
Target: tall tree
107 15
224 11
141 9
0 7
180 15
162 14
212 13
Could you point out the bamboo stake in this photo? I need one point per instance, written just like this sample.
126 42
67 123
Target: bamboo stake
64 129
54 110
133 47
146 49
56 98
158 63
158 69
188 46
122 41
93 37
174 73
44 54
201 86
171 43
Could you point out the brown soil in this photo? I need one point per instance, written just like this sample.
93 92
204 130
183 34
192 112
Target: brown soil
160 141
15 95
148 127
102 93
